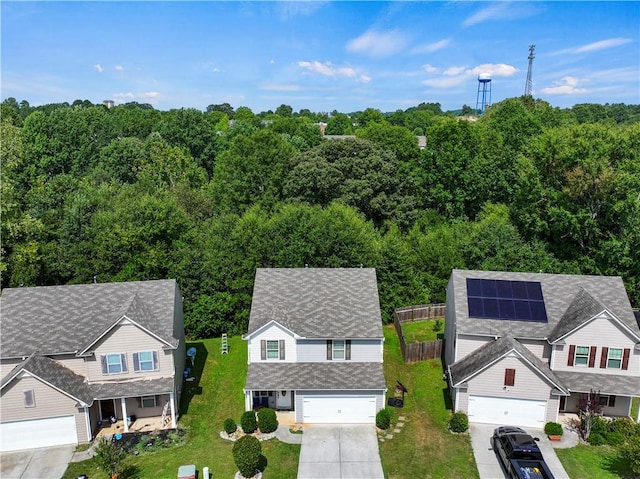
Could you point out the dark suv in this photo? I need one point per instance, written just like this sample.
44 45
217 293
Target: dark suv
519 453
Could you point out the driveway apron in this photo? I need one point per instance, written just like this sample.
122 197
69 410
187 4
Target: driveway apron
340 451
49 462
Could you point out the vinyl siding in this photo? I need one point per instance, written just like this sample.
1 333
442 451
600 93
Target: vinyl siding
621 407
601 332
552 409
528 383
7 365
542 349
77 365
362 351
272 333
128 339
48 403
463 400
468 343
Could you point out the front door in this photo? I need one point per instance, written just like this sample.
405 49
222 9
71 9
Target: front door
107 409
563 403
283 399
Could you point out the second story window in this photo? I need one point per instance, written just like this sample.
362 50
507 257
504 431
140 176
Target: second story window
614 358
145 361
114 363
338 348
272 349
582 356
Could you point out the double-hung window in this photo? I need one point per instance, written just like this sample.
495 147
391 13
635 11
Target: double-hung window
145 361
614 359
114 363
148 401
582 356
273 350
338 349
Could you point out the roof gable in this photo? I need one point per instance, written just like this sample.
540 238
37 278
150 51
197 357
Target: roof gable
318 302
264 327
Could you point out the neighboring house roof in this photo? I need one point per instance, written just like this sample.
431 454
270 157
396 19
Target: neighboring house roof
53 373
65 319
345 375
138 387
492 352
568 299
318 302
605 383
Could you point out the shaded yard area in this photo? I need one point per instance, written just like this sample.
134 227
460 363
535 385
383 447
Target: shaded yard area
204 407
589 462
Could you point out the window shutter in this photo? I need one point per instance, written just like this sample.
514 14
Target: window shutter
509 377
592 356
329 349
281 344
136 362
603 357
612 401
103 361
123 360
572 353
625 358
347 352
155 360
263 349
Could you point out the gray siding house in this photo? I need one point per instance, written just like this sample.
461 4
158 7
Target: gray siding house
73 357
522 348
315 344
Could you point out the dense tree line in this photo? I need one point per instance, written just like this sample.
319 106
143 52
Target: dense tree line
133 193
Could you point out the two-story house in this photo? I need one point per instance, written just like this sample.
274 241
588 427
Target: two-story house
315 344
75 357
523 347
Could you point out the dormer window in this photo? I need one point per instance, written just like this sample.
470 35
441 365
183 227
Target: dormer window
273 352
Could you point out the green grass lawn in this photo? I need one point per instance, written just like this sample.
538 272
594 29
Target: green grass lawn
204 407
422 331
594 462
424 448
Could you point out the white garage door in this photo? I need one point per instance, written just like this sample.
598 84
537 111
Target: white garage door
55 431
339 409
506 411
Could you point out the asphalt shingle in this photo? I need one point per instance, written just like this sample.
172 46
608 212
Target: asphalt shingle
606 384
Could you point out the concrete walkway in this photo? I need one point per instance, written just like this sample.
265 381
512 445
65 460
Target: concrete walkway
283 434
339 451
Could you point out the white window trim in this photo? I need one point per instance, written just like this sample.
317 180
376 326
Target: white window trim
575 357
343 349
271 350
119 355
154 365
33 398
142 399
609 358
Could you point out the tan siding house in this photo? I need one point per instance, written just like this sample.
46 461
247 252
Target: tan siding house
114 352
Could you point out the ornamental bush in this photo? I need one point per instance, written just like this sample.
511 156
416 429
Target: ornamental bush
267 420
383 419
631 451
246 454
597 439
553 429
248 422
230 426
459 422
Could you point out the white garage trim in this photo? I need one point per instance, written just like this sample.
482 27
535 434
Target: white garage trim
339 409
55 431
507 411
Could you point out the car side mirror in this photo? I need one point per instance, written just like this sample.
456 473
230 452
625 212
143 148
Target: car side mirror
536 439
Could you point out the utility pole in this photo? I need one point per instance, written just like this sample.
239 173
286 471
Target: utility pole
529 86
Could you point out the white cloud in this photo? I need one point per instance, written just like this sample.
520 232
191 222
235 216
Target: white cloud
119 68
280 87
327 69
289 10
378 44
502 11
595 46
271 62
430 69
431 47
567 86
364 78
495 69
98 67
453 71
446 82
151 97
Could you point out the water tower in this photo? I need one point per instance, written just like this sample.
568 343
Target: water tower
483 98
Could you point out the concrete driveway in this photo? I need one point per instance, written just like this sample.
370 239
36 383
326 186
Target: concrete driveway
489 466
339 451
49 462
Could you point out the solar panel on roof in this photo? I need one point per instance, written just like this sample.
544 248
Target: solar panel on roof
502 299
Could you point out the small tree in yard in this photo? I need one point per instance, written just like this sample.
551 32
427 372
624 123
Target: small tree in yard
110 457
248 422
246 454
590 408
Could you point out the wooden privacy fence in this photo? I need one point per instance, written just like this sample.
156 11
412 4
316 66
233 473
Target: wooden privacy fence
413 352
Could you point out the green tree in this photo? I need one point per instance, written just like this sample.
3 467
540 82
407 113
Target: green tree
339 124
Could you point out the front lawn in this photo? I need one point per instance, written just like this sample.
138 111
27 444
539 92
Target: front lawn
204 408
423 331
588 462
424 448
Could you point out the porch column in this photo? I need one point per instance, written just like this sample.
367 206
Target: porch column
123 403
172 399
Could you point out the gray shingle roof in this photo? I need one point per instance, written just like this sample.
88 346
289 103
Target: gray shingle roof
55 374
605 383
318 302
492 351
583 308
559 291
57 319
343 375
139 387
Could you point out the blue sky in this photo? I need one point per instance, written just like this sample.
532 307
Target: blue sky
324 56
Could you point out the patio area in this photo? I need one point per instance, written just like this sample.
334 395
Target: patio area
143 424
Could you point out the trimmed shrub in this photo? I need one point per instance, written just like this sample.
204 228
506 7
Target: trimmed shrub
553 429
246 454
248 422
614 438
631 452
230 426
267 420
599 426
625 426
596 439
459 422
383 418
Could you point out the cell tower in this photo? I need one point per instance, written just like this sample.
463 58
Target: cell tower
483 98
528 88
